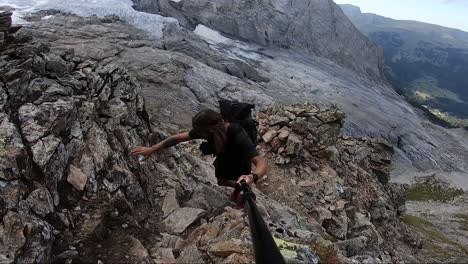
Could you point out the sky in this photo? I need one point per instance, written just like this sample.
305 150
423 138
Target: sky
448 13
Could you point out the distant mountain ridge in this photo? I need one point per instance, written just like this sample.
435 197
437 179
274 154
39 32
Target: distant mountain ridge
425 62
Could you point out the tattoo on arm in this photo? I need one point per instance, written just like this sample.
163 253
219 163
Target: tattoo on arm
169 142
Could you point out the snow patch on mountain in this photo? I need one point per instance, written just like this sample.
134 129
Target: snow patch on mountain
151 23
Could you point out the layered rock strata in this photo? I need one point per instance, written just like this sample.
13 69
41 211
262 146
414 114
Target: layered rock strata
317 27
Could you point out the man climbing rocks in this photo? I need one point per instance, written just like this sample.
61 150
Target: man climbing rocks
235 152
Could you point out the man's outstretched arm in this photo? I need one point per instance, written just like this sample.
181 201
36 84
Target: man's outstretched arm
167 143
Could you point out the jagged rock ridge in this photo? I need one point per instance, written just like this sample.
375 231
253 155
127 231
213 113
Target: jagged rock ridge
66 128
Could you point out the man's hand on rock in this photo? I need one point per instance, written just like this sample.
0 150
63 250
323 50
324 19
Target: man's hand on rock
144 151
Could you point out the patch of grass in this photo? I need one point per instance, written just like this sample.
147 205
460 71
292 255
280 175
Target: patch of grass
434 238
438 250
448 117
428 230
325 251
463 220
432 189
422 95
427 88
438 103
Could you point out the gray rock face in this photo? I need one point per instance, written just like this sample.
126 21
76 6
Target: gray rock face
318 27
207 198
182 218
303 133
25 239
398 194
337 226
58 129
40 201
38 121
14 160
11 193
353 246
137 250
43 150
335 195
77 178
378 211
170 202
190 254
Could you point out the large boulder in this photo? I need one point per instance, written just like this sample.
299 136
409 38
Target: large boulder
182 218
25 239
208 198
14 160
40 202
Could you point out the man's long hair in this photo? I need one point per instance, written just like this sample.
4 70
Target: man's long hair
210 125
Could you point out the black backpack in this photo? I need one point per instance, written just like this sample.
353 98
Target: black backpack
240 113
235 112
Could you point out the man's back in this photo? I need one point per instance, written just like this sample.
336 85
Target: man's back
239 150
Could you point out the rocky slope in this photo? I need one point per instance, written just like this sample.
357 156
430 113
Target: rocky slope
126 210
71 192
291 76
67 125
181 70
426 62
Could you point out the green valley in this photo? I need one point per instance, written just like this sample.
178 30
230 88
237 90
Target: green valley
426 63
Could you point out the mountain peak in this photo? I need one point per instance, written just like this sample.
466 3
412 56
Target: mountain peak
351 9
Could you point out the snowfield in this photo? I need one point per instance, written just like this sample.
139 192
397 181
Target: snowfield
150 23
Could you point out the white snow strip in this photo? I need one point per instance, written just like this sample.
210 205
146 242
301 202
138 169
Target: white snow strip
237 50
211 35
151 23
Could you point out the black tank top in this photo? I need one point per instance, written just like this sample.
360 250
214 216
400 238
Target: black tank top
235 160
